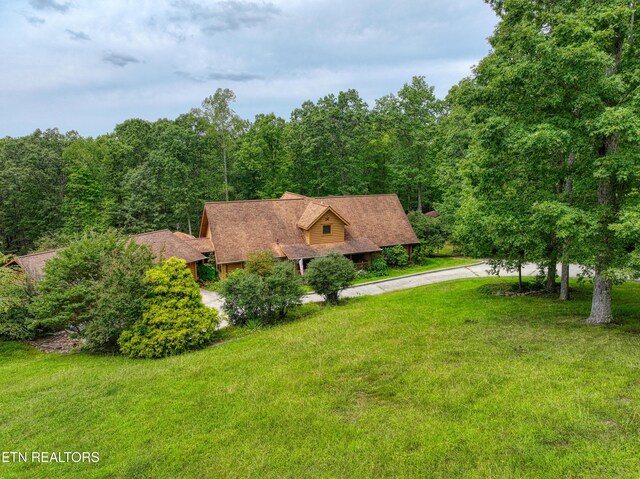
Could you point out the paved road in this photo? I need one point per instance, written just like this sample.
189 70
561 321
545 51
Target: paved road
480 270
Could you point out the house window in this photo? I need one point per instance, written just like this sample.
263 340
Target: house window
326 229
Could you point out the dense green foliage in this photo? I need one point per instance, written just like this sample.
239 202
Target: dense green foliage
207 273
262 293
14 296
378 266
120 296
174 320
153 175
93 279
395 256
440 381
330 274
430 231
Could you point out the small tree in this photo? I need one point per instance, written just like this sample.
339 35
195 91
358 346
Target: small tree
174 319
328 275
266 298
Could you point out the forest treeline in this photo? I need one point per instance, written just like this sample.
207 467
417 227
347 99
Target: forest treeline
533 158
151 175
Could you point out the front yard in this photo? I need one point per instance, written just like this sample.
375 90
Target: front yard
440 381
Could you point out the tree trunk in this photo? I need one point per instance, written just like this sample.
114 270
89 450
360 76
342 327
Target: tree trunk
520 277
189 224
420 197
601 302
564 283
551 275
564 274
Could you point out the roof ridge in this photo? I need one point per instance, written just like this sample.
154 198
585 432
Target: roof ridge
352 196
41 252
255 201
151 232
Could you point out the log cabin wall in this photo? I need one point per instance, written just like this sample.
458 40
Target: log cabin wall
317 233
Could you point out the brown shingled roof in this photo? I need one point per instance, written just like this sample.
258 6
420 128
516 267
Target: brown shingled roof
202 245
239 228
164 245
33 264
184 236
287 195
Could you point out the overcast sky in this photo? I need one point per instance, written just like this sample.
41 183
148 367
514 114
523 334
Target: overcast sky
88 65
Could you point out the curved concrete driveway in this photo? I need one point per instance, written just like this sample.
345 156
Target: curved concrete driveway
478 270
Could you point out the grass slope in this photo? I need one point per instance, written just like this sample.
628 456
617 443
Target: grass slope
440 381
430 265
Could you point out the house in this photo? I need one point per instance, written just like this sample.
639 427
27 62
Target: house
432 214
299 228
163 244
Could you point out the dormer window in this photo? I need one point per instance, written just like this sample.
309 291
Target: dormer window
326 229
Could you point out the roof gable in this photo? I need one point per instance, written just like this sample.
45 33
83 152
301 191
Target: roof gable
315 211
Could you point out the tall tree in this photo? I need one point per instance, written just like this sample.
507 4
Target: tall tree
263 166
411 118
561 81
328 141
224 126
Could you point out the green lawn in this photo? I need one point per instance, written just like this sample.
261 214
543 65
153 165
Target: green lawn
439 381
431 264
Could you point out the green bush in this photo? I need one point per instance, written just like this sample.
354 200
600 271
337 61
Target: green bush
94 286
422 253
329 275
395 256
431 232
14 297
121 292
207 273
378 266
174 320
260 263
251 298
67 295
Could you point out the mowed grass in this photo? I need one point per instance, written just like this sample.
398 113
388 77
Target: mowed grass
440 381
429 265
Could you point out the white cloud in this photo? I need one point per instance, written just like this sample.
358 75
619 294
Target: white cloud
86 67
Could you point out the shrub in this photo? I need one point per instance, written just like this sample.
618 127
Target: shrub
174 320
207 273
93 286
67 294
251 298
422 253
378 266
396 256
260 263
14 296
329 275
121 292
430 231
